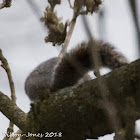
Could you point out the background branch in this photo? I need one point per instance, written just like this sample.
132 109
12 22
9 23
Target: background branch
109 106
102 24
70 4
134 11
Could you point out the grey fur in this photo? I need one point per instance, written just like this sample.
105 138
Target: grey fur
40 78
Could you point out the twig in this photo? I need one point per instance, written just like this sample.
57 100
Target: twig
83 12
108 106
2 6
37 13
6 3
5 65
70 4
101 24
134 11
68 37
16 135
9 130
35 8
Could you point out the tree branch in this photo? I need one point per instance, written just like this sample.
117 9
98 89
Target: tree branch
12 112
79 113
6 3
70 4
68 36
134 10
5 65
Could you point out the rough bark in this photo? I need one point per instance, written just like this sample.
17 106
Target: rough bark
79 112
12 112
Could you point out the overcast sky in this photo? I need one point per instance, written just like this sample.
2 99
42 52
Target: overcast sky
22 41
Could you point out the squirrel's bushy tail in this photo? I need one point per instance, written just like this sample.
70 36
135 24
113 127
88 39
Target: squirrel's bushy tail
79 61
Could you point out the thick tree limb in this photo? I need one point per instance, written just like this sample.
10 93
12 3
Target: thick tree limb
79 113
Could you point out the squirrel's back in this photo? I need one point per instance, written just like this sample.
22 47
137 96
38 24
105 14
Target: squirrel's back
59 73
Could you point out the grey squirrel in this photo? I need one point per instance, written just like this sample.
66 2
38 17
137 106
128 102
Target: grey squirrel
60 73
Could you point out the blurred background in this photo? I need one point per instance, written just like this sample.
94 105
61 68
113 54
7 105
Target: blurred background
22 40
